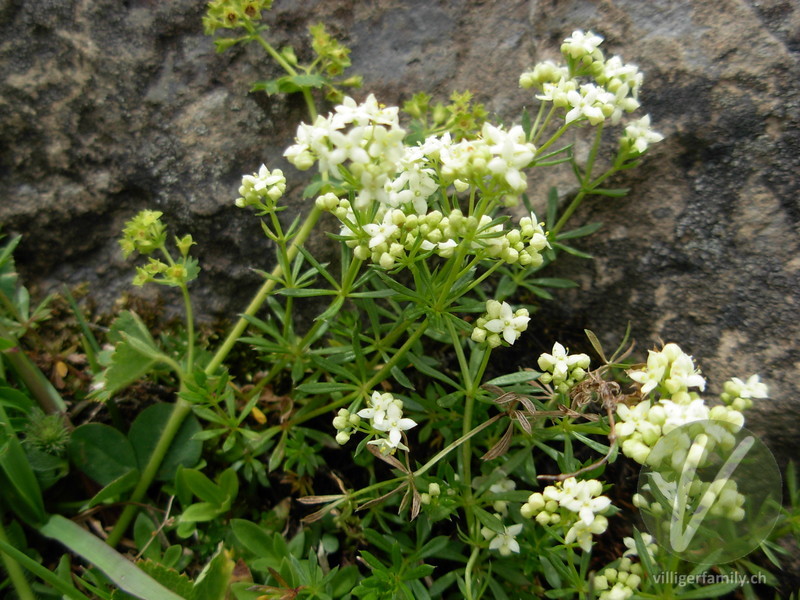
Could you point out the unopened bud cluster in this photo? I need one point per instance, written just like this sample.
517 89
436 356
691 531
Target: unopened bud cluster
145 233
620 582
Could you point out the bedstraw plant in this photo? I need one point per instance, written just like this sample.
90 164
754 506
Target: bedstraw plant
420 465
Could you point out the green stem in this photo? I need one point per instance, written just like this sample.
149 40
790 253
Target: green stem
180 411
553 139
534 133
375 380
468 571
262 294
312 109
190 335
576 202
46 395
14 570
455 444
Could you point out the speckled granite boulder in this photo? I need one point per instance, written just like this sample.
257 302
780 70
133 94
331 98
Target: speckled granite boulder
107 107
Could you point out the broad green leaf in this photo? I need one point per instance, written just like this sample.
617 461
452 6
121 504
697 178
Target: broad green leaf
252 537
201 512
102 452
202 487
135 354
146 431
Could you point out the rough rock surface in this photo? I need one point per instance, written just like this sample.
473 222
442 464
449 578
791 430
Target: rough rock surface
108 107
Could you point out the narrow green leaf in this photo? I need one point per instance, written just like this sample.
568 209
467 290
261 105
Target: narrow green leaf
512 378
18 485
598 347
489 520
115 489
326 387
119 569
710 591
579 232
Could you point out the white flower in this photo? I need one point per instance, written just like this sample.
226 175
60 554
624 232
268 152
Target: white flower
649 544
650 377
585 504
582 533
378 405
381 233
505 542
509 323
639 135
394 424
581 44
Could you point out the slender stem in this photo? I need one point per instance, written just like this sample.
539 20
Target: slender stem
180 411
598 137
262 294
312 109
14 570
46 395
375 380
576 202
468 571
549 116
536 134
455 444
398 356
190 335
553 139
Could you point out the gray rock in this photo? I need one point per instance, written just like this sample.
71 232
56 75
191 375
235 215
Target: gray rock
109 107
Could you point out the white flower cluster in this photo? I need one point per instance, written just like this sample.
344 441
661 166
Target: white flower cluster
401 205
500 320
360 142
574 504
386 415
721 497
593 89
562 369
262 189
739 394
669 374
